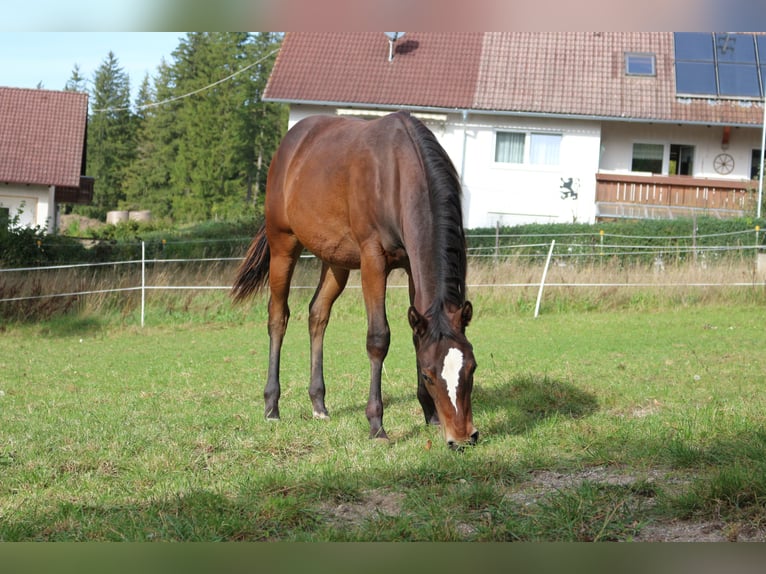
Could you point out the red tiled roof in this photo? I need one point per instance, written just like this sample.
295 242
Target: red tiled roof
428 69
42 136
561 73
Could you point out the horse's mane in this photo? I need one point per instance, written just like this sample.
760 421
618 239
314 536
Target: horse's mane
448 235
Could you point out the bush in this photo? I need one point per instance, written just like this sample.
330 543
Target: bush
22 246
679 236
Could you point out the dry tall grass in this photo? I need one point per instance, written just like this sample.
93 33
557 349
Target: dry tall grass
511 283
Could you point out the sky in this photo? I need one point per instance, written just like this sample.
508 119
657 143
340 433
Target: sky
48 58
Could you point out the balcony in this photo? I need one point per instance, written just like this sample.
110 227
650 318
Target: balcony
638 196
82 195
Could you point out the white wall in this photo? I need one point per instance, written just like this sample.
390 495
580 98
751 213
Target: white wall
512 194
299 112
33 203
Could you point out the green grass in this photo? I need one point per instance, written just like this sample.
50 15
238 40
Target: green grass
593 426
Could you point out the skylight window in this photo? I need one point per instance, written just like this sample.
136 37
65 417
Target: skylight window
720 65
639 64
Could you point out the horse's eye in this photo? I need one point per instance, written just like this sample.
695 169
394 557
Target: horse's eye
426 379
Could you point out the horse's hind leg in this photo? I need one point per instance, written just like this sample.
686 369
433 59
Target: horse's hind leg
331 285
281 267
374 275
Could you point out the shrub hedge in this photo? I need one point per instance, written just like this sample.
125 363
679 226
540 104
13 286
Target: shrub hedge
24 247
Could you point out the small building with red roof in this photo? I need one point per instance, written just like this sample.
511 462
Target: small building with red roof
42 154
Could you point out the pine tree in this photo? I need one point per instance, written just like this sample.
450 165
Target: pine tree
111 134
147 182
269 121
204 137
216 167
76 82
203 169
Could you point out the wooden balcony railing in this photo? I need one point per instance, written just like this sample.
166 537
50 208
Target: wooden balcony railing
636 196
80 195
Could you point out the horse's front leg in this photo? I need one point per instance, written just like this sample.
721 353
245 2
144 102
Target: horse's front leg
331 285
374 275
424 397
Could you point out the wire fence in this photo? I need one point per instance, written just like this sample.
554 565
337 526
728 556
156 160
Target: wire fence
573 251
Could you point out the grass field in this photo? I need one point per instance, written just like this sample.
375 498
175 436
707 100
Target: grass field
627 422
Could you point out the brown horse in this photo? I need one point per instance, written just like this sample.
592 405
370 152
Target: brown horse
371 195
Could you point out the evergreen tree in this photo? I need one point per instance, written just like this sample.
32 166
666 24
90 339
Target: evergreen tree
203 136
147 182
269 120
206 165
144 99
76 82
111 134
216 167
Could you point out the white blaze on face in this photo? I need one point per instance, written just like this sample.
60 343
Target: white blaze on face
453 362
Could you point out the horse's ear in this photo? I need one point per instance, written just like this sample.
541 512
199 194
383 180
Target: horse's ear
417 322
467 314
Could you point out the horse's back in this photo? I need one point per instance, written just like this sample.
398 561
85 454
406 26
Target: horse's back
335 183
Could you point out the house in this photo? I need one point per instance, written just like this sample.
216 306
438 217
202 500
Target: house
556 127
42 154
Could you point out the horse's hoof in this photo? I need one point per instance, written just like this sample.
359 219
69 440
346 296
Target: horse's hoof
321 416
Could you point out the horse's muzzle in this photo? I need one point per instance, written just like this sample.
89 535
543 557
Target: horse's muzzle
455 445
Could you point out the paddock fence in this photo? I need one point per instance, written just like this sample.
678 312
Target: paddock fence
496 261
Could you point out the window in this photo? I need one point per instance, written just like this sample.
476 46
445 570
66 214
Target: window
544 149
639 64
530 148
647 157
5 217
755 164
721 64
681 161
509 147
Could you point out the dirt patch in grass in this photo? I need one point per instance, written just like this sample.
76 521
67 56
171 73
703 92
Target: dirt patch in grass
541 484
371 503
545 483
700 531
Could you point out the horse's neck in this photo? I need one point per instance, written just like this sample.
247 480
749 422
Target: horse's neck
424 268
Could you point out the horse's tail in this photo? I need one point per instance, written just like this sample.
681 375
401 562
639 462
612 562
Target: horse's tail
254 270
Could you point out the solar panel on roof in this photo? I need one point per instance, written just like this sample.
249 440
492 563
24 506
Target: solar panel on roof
735 48
693 46
720 65
695 78
738 80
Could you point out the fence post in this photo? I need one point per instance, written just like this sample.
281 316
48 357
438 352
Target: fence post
497 239
694 237
601 241
542 281
143 281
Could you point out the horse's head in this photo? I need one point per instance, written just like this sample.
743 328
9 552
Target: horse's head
446 362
